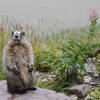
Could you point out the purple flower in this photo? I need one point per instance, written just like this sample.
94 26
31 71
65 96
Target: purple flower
92 14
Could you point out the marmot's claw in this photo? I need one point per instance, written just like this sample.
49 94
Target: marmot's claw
16 71
30 68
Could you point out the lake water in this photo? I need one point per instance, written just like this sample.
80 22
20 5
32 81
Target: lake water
56 14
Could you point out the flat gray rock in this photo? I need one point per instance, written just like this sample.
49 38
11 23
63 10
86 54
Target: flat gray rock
79 90
39 94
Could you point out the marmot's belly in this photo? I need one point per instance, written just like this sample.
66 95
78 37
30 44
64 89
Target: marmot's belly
24 79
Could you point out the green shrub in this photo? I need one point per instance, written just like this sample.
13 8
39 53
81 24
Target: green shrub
74 54
70 64
45 60
46 56
95 95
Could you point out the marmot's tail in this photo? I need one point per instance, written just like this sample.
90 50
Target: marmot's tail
15 90
19 90
32 88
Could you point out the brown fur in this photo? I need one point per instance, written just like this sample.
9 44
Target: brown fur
18 56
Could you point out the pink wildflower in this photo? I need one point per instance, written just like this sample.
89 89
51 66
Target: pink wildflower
92 14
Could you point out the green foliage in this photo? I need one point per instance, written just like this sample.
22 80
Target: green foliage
69 64
46 56
74 54
73 57
93 25
95 95
45 60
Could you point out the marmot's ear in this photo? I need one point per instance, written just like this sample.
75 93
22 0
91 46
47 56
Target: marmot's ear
23 33
12 33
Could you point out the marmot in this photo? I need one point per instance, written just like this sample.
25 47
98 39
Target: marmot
18 63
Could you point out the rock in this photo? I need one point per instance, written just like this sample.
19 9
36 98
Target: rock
87 67
92 83
89 59
79 90
93 59
39 94
87 79
45 76
38 73
98 61
73 97
50 77
91 69
95 82
96 75
44 80
90 87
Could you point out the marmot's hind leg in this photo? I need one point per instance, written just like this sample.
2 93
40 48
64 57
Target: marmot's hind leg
15 90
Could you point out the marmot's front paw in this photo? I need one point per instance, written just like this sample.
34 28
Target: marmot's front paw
30 68
16 71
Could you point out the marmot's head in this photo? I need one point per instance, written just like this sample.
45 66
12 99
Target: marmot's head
17 36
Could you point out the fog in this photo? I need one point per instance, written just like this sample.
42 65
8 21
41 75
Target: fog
55 13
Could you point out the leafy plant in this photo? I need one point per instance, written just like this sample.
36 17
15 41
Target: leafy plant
93 19
45 61
95 95
73 57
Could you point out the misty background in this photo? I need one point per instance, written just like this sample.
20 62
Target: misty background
52 15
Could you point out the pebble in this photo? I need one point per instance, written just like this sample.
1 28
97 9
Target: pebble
98 61
92 83
87 79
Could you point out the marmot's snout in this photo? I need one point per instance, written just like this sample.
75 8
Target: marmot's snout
16 37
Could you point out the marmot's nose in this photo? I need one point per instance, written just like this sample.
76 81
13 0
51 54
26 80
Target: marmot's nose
16 36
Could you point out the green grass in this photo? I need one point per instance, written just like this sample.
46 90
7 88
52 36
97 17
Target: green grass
94 95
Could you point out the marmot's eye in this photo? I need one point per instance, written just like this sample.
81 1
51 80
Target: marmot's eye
23 33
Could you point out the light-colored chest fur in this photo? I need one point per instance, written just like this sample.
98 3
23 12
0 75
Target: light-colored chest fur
21 55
